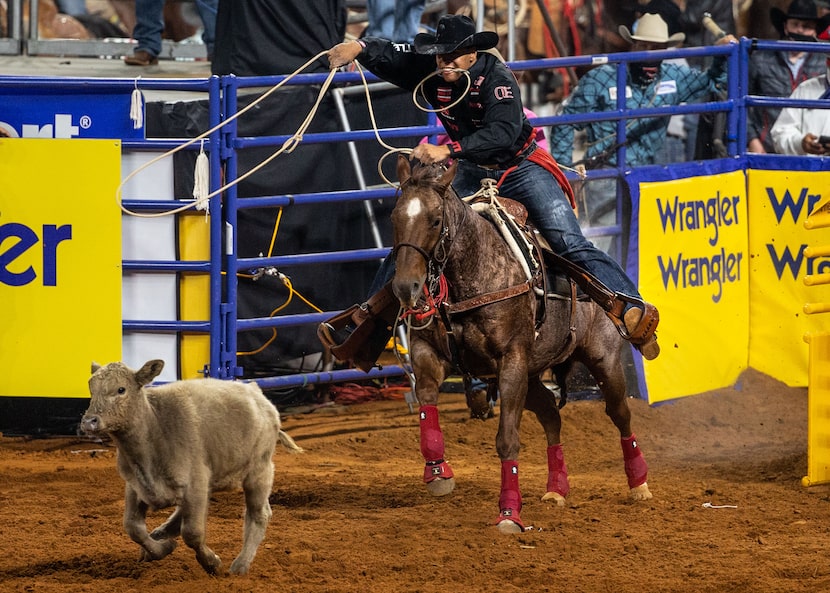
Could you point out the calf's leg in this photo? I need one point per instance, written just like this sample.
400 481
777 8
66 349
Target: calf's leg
194 510
257 487
170 528
135 524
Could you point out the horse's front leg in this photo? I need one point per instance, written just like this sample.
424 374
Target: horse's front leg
513 390
430 372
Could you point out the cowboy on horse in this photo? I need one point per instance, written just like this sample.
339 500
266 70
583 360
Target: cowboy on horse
478 100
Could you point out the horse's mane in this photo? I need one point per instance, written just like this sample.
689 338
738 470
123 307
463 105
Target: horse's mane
426 175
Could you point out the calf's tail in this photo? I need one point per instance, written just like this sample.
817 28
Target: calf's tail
287 442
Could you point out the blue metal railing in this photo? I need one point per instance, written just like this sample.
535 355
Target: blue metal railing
222 146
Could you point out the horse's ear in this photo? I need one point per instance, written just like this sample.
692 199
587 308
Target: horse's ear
449 174
404 170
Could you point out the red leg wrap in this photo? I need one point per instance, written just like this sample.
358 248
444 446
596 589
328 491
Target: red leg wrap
557 471
432 445
510 501
635 464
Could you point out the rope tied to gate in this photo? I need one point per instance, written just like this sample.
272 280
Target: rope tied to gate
287 147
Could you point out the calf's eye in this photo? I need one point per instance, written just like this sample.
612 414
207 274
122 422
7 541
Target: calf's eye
121 391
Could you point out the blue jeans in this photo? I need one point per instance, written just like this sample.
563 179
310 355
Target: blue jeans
149 23
72 7
549 209
395 20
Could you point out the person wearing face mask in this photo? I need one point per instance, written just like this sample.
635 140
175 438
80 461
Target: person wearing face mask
478 101
776 74
651 83
800 131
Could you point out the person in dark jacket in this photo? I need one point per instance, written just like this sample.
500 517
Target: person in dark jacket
776 74
479 103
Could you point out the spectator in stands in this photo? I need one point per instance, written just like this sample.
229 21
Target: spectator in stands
149 24
674 149
651 84
776 74
395 20
491 138
823 7
805 131
691 23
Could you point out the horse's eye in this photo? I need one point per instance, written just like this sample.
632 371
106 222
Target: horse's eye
436 223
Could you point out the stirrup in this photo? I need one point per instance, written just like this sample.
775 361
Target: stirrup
644 327
333 337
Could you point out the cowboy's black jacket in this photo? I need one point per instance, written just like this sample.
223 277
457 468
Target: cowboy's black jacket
488 127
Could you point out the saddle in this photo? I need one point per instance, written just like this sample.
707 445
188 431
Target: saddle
510 217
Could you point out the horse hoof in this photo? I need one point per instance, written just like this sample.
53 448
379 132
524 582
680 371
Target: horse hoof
555 497
509 527
641 492
441 486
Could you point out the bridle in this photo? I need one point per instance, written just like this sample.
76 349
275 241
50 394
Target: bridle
441 251
435 287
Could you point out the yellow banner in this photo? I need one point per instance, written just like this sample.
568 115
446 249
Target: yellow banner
60 264
779 203
693 264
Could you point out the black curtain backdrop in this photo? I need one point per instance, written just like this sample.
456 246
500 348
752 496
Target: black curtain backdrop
302 228
262 37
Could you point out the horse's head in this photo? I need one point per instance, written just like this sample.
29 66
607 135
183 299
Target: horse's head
419 226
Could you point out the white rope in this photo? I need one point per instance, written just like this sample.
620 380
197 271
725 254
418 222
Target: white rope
420 87
201 180
136 107
288 146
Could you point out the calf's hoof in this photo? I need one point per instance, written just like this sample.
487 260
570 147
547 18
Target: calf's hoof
640 492
441 486
239 567
210 562
557 498
156 549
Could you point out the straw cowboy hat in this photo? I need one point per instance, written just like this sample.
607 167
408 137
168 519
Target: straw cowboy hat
454 32
803 10
653 29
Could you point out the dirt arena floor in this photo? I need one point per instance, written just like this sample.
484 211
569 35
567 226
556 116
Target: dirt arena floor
351 514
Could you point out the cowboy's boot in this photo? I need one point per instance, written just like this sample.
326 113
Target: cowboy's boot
360 333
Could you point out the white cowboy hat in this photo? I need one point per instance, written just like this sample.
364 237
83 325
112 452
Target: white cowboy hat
653 29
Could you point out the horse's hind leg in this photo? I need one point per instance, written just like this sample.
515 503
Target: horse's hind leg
608 372
542 402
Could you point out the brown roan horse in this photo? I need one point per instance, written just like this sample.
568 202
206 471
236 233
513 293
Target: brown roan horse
435 233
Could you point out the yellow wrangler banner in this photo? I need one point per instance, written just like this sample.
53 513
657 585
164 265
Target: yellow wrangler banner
60 264
693 264
779 203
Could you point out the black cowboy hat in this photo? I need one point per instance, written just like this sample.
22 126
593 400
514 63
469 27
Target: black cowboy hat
454 32
804 10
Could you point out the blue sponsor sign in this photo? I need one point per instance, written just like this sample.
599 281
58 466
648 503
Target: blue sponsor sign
31 114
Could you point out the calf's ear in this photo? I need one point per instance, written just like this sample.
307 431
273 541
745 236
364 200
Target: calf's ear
95 367
149 371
